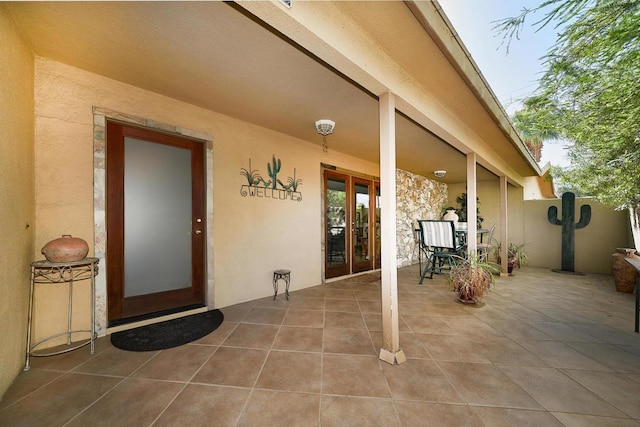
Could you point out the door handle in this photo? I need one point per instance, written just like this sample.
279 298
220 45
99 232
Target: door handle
198 231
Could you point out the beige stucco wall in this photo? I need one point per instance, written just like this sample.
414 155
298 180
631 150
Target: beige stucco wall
527 223
251 236
594 244
16 190
489 207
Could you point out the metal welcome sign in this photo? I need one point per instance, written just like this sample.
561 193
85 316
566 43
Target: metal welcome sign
272 188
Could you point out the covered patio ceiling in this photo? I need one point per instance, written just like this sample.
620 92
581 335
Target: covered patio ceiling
213 55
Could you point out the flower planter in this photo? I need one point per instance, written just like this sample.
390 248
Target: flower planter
624 274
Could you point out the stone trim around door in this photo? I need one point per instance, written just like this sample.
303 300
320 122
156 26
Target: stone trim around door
100 117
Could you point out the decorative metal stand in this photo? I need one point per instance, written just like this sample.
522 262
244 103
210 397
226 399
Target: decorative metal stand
46 272
281 275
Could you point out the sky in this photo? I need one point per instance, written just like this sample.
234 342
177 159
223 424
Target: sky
512 76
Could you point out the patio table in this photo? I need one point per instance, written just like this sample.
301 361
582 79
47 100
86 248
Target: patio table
462 229
635 263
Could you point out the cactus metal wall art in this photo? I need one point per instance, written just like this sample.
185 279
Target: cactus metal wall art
273 172
569 226
273 188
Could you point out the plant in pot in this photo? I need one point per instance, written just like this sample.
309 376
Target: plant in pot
471 278
461 200
624 275
516 256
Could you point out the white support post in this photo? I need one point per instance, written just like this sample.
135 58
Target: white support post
472 205
390 351
503 226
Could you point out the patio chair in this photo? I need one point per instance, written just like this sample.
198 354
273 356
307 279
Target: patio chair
462 229
423 251
438 244
484 248
336 240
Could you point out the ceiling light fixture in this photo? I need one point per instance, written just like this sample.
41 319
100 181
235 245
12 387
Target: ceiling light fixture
325 127
440 173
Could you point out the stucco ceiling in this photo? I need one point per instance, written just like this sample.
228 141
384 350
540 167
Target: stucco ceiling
211 55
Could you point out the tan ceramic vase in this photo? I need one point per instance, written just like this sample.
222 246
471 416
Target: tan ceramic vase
624 274
65 249
451 215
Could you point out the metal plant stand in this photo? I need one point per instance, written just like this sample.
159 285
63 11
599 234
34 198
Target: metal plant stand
281 275
45 272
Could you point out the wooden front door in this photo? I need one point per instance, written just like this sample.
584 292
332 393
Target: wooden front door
155 223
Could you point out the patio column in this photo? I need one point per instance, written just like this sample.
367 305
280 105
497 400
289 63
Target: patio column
472 205
503 226
390 351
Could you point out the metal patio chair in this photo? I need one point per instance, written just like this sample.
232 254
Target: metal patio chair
438 244
484 248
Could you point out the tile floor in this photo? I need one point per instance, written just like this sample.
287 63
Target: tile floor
546 349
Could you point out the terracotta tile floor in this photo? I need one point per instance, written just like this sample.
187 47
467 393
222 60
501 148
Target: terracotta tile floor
546 349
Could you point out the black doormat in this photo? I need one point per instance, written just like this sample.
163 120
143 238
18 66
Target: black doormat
171 333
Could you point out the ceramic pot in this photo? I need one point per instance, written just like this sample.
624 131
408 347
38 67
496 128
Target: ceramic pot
624 274
451 215
467 301
65 249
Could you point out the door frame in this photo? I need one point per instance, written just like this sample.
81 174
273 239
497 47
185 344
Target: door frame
100 156
345 268
121 309
368 263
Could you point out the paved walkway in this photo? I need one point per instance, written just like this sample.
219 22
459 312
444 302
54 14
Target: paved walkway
546 349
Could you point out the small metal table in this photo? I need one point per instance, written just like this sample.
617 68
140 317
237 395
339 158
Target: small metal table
46 272
635 263
281 275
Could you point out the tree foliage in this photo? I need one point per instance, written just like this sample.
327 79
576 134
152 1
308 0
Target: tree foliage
590 92
532 131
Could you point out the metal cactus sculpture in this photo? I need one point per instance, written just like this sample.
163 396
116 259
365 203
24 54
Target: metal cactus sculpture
273 171
569 226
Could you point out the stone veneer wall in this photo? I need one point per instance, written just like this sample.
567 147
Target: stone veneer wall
416 198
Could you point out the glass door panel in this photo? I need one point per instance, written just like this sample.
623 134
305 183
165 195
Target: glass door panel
337 214
361 249
157 241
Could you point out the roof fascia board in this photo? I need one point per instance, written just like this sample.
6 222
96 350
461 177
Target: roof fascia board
295 25
433 19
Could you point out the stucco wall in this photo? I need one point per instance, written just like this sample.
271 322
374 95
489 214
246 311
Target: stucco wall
594 244
417 198
16 190
489 207
251 236
527 223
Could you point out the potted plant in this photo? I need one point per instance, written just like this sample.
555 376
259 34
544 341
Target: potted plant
624 275
461 200
471 278
516 256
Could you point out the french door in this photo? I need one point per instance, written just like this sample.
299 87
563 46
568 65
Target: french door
155 222
352 221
